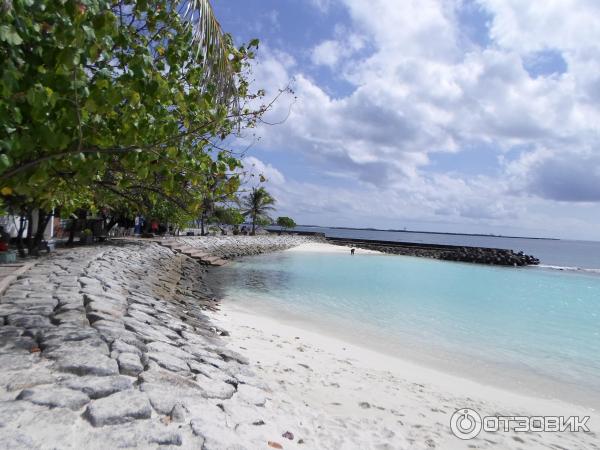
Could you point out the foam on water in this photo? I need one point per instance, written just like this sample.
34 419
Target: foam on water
540 326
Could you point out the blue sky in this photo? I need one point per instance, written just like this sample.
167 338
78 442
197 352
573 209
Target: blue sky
463 116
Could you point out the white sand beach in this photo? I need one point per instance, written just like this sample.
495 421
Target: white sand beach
322 247
331 394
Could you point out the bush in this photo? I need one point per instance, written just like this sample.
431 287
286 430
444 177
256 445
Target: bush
286 222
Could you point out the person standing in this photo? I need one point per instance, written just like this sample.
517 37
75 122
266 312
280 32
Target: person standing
138 225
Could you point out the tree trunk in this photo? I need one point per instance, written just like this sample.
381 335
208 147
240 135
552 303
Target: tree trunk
20 245
43 219
29 231
72 231
111 223
253 225
76 224
202 225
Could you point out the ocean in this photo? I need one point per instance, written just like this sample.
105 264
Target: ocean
553 253
533 329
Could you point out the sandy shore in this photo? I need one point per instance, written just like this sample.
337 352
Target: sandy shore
321 247
344 396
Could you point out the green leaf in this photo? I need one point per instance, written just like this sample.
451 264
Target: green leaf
4 161
143 172
9 35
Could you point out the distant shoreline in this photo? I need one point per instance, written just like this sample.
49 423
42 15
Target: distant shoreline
447 233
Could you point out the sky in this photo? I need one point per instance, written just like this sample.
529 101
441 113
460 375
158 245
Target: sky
475 116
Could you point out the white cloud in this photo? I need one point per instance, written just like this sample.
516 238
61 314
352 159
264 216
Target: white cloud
327 53
331 51
420 90
531 26
256 170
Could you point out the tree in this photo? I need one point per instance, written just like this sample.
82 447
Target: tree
228 216
286 222
105 103
257 204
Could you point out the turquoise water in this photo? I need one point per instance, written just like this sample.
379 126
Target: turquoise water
542 327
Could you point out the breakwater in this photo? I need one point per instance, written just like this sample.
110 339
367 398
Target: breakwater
479 255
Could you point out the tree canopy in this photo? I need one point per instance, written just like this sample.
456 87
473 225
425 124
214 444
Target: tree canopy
257 205
118 104
285 222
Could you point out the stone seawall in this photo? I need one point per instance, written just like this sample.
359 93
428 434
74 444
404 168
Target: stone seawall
110 346
216 250
479 255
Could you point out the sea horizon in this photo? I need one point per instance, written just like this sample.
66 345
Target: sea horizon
397 230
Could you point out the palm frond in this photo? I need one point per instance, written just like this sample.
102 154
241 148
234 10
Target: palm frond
212 49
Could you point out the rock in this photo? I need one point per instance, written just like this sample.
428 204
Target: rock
20 344
16 440
7 309
288 435
146 332
54 397
158 376
9 331
95 316
28 321
10 412
130 364
211 371
109 310
111 332
11 361
60 335
240 413
142 316
169 362
93 345
23 380
98 387
71 317
251 395
165 437
118 408
229 355
123 347
178 413
163 347
44 427
86 281
215 388
211 427
87 364
164 397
